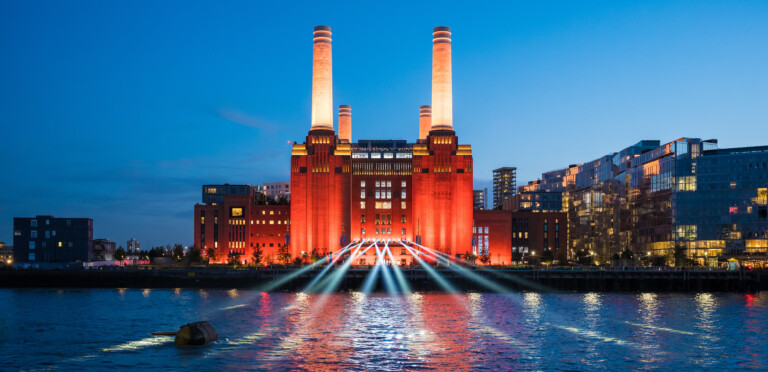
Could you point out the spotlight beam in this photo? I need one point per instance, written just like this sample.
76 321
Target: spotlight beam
322 273
404 287
448 287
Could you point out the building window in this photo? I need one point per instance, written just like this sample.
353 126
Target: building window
362 194
69 222
402 231
31 245
402 218
378 194
33 234
33 223
378 219
362 183
384 205
402 183
362 204
389 230
47 234
377 231
389 183
389 194
378 184
31 257
402 194
402 205
362 231
362 218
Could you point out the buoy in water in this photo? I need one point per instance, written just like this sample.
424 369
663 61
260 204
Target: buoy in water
192 334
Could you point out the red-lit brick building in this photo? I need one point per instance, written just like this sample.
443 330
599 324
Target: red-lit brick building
501 232
343 191
237 218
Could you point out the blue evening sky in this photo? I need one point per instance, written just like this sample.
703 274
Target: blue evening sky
120 110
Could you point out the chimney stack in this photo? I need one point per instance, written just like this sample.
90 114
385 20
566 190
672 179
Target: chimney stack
322 79
345 123
442 93
425 121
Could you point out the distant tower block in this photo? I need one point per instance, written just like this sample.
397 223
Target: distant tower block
425 121
345 123
322 80
442 92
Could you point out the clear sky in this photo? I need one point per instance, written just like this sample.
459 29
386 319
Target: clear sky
120 111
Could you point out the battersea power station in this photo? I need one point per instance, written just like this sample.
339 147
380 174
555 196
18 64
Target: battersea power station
377 190
343 191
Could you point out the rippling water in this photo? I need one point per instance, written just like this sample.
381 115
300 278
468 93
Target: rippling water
91 328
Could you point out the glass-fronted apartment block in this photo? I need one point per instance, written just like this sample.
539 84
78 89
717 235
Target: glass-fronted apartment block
649 198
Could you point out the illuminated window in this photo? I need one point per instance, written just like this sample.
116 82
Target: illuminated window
378 195
383 205
202 220
362 194
263 212
733 210
389 230
389 183
236 212
402 183
271 222
362 204
402 194
362 230
59 244
377 231
762 196
389 194
402 205
378 184
271 212
362 183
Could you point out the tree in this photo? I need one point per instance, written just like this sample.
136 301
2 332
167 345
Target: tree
120 254
233 258
548 255
659 260
584 257
195 254
211 253
470 257
258 255
517 255
297 261
485 258
679 254
627 255
177 252
283 255
314 256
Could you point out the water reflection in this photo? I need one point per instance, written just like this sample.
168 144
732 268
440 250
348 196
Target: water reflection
358 331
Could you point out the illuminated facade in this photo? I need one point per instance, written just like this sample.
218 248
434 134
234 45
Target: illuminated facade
504 185
649 198
343 191
237 220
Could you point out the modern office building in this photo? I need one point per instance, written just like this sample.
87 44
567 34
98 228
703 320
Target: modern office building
504 185
535 201
276 191
479 199
46 239
6 253
381 189
103 250
650 198
132 247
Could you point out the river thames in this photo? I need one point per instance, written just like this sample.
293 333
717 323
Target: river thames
67 329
